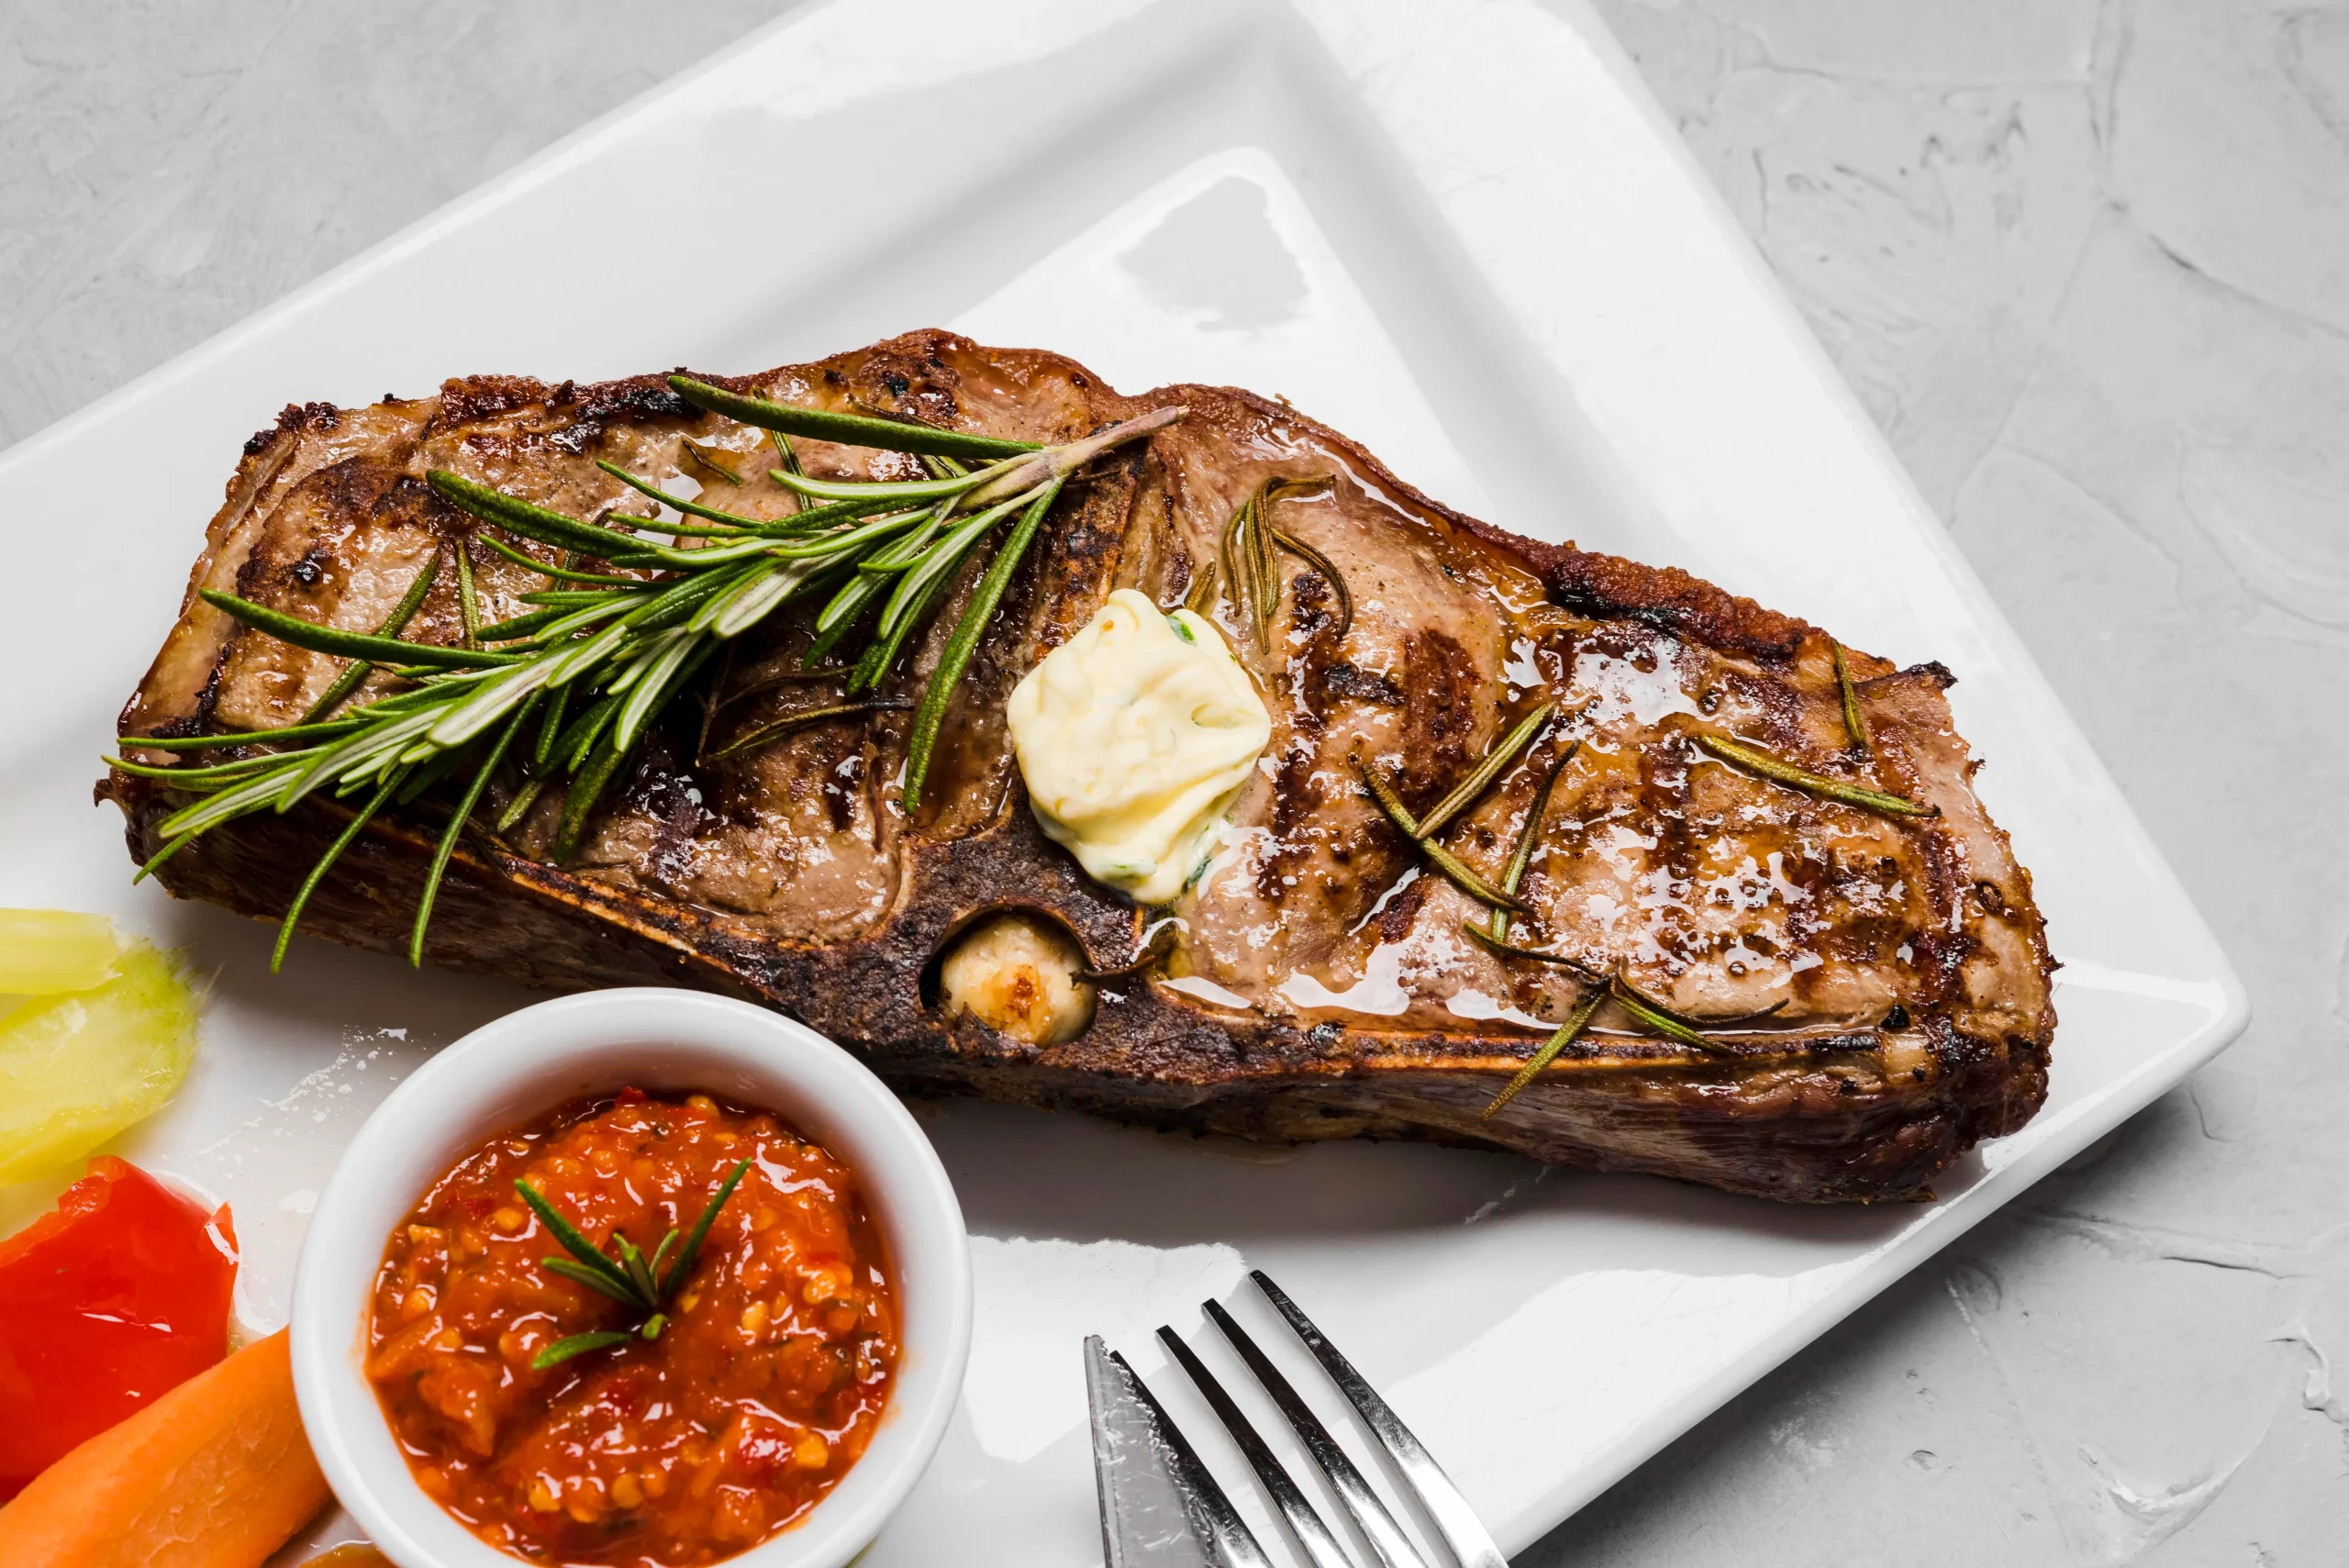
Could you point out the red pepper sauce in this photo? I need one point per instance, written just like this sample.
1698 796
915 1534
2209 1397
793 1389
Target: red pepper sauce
762 1389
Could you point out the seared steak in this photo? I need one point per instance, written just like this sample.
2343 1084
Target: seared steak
1880 987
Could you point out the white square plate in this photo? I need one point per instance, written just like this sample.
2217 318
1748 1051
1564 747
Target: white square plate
1458 231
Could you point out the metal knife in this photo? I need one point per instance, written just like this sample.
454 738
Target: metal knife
1160 1508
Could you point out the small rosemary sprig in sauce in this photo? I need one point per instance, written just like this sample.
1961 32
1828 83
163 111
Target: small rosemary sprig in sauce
630 1278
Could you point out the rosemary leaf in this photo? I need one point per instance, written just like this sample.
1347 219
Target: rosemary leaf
326 862
214 776
354 675
593 1279
572 598
1236 553
520 627
940 561
1581 969
852 540
1756 761
1473 885
587 787
1388 801
1856 723
1443 860
1200 597
718 460
468 603
562 1350
516 515
1466 793
520 806
549 569
352 644
1575 1024
583 732
845 430
1660 1019
549 728
344 725
632 1262
734 525
1329 571
898 490
548 526
1007 479
1264 567
673 668
447 844
692 1248
874 667
741 610
660 1252
1527 835
923 738
589 1255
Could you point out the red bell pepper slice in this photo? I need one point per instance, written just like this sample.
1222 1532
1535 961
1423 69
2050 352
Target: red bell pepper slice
117 1296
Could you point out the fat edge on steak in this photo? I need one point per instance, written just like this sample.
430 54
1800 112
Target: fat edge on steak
1318 983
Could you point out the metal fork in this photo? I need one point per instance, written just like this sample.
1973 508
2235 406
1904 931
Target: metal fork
1135 1528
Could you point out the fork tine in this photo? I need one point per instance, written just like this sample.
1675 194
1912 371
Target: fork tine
1311 1535
1236 1543
1472 1544
1386 1538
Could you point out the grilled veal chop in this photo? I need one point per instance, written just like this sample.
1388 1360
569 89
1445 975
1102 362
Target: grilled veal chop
1871 990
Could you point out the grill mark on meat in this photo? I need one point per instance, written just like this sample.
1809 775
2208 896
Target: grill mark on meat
1665 803
1438 716
794 880
1362 685
1402 911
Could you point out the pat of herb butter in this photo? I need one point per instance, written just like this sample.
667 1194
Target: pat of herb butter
1134 735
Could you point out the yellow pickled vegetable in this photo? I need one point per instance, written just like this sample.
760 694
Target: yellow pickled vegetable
44 951
77 1069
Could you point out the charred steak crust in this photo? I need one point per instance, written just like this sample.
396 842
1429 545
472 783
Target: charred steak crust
1318 989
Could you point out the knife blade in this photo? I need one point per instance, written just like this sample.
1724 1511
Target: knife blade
1160 1508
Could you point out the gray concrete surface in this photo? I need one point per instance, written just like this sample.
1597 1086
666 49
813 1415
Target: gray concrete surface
2087 264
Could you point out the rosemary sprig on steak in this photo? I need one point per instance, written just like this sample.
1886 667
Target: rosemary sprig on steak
1856 723
1245 560
568 689
1753 760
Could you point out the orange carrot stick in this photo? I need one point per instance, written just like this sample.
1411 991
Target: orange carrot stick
215 1474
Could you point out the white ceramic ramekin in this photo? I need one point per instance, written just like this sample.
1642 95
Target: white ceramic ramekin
527 1064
